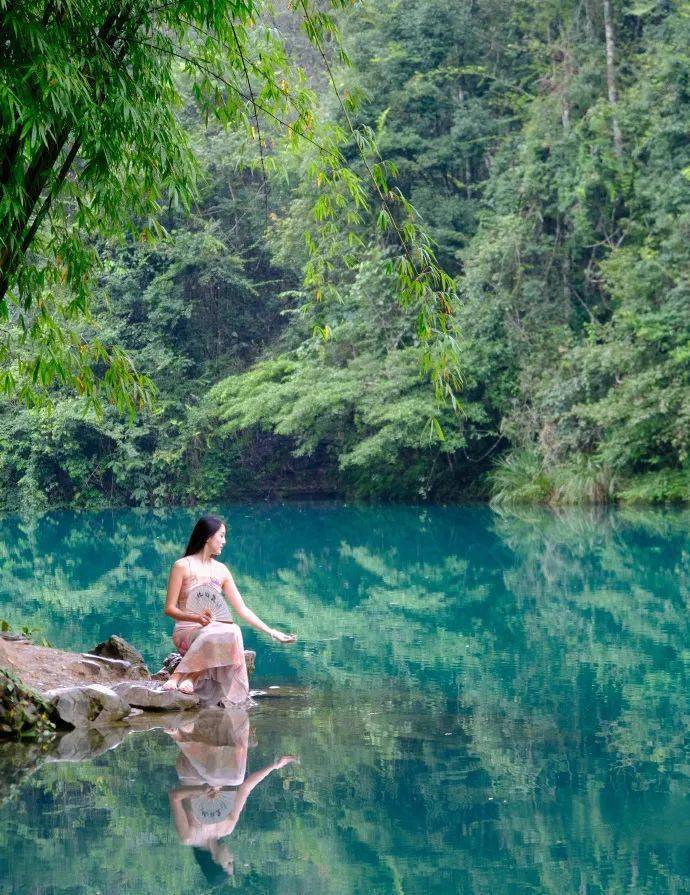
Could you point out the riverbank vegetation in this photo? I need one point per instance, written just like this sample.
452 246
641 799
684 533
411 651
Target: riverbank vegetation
545 146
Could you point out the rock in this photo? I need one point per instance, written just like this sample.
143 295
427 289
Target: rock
122 664
149 697
170 663
12 636
92 666
116 647
88 706
23 713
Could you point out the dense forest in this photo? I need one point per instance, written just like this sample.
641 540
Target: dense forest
544 146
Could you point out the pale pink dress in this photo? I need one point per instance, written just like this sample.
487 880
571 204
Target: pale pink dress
215 649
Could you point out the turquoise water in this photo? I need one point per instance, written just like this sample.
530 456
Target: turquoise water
484 703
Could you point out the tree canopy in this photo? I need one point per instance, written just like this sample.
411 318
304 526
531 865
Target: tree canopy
94 146
544 147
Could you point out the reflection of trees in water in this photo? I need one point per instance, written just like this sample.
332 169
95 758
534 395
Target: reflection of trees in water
348 819
592 718
608 593
551 647
568 662
101 572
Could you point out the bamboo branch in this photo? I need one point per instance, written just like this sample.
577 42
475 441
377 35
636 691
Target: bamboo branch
256 119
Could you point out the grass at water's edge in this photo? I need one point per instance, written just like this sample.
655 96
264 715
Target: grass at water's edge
518 477
523 477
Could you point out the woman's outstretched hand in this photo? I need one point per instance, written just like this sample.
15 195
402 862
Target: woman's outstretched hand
282 638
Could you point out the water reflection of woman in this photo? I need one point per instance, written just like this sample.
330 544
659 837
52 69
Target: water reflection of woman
211 768
211 645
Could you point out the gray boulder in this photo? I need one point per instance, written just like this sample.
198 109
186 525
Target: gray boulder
88 706
93 667
116 647
170 663
146 696
119 664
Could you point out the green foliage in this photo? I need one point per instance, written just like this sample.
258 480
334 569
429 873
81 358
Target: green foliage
657 487
93 145
23 714
519 478
577 298
355 398
283 319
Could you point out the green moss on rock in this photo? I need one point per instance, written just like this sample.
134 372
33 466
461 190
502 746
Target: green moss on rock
23 713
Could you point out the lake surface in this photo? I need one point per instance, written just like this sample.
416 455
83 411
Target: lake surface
484 703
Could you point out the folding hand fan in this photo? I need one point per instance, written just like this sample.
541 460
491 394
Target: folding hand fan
212 809
202 597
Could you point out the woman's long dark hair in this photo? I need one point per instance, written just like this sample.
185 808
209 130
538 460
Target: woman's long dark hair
204 529
215 875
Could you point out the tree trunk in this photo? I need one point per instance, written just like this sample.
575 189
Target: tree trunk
38 174
611 77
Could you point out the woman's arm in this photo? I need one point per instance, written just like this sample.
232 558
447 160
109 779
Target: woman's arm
253 780
244 612
179 814
175 580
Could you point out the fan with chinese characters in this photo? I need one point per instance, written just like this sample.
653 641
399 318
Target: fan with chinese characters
204 596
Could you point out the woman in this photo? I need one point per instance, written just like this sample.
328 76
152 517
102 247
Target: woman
213 663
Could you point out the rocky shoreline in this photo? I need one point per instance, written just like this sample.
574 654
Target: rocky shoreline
43 689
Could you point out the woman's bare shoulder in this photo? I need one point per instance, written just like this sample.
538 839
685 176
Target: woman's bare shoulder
181 563
222 569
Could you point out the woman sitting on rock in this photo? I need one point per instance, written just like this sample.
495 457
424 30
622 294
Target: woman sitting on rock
213 663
